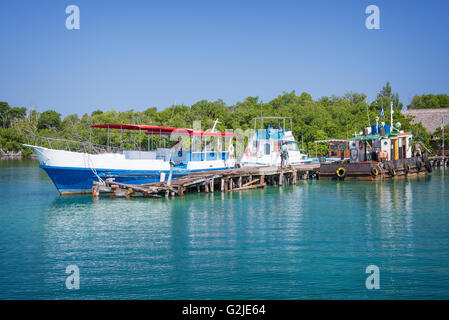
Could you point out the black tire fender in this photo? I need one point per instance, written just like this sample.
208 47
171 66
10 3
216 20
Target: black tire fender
341 172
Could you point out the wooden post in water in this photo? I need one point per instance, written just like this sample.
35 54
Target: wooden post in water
95 192
212 185
281 176
114 189
222 185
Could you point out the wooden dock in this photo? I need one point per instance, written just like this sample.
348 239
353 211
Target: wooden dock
439 161
230 180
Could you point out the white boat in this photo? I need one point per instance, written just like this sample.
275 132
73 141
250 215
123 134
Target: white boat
75 172
264 146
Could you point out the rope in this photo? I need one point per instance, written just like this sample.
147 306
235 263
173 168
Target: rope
92 168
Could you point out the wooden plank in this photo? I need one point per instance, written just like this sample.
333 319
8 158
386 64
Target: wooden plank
260 185
151 195
134 187
251 182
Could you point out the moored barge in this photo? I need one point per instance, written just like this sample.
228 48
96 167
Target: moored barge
380 151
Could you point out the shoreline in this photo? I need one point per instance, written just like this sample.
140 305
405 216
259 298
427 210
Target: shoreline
9 155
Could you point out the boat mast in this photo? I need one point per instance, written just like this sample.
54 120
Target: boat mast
215 123
391 115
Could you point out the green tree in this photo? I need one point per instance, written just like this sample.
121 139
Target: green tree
49 119
429 101
4 108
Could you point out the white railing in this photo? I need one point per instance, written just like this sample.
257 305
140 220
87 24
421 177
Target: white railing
70 145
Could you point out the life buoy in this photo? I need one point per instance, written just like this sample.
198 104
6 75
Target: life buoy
247 151
360 145
231 150
392 172
354 155
341 172
374 171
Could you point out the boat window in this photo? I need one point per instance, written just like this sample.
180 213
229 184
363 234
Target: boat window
292 146
267 148
133 155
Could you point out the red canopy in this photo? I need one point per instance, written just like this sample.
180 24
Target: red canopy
212 134
162 130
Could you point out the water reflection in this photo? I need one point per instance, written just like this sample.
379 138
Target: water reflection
304 241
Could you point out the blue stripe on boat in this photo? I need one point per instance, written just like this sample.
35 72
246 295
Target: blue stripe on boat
80 180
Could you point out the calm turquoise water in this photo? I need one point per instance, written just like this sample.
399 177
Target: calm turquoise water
313 240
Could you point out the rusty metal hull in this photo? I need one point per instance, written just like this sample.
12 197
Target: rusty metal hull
395 169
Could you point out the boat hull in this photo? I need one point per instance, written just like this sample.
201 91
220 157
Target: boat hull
80 180
276 164
75 172
371 170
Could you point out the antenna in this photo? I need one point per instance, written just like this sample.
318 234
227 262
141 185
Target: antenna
367 111
391 111
215 123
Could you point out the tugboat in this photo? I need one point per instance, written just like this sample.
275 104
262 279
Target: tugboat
265 146
379 151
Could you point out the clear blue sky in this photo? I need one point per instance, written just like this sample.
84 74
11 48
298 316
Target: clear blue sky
140 54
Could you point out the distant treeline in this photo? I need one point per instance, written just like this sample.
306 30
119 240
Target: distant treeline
429 101
325 118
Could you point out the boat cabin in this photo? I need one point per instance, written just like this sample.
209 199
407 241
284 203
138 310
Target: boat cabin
190 146
378 143
264 146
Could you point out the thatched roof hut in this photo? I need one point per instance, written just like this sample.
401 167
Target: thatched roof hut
429 118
